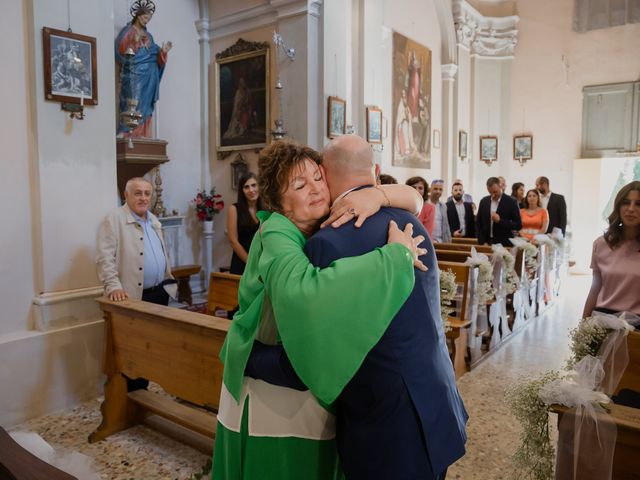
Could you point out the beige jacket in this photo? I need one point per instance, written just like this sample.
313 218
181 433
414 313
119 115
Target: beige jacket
120 253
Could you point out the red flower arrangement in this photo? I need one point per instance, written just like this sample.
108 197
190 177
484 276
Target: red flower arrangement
208 204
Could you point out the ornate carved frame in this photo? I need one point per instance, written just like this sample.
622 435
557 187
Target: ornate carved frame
238 52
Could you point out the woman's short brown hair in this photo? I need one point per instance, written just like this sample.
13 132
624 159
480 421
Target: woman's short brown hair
275 163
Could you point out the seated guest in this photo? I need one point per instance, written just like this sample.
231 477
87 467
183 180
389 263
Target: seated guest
615 259
460 214
427 215
242 222
441 231
535 219
517 192
384 179
498 216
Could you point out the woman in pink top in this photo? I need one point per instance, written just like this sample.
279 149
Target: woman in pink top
427 215
535 219
615 260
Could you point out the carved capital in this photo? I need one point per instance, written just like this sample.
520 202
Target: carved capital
449 72
487 36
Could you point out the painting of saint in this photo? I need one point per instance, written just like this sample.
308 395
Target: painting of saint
412 103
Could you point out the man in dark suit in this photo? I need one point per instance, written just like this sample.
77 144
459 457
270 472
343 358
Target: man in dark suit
554 203
401 415
498 216
460 214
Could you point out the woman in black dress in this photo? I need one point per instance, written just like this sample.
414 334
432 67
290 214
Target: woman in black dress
242 222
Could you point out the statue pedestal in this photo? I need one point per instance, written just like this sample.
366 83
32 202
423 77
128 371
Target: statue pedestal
146 154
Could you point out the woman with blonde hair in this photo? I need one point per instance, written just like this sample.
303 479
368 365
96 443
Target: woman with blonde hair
615 259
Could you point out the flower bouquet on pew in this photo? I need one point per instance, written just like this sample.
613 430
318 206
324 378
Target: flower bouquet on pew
207 204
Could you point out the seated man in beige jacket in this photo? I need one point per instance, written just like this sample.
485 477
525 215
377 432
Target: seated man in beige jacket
132 257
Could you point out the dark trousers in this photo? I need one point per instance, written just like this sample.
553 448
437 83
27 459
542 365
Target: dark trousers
159 296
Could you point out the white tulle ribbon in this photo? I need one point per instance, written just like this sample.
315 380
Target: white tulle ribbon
588 435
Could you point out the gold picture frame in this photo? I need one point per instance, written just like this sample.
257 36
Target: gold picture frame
243 96
336 117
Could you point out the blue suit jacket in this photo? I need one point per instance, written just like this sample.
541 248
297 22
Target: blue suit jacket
401 416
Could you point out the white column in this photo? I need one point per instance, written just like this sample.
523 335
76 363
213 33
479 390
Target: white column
448 135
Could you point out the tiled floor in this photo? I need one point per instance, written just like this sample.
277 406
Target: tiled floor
142 453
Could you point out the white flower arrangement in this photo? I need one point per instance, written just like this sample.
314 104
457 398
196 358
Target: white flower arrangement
509 276
486 292
448 289
529 400
530 252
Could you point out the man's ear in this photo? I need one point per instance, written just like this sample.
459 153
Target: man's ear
376 170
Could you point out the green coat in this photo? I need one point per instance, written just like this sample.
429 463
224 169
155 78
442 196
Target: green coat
328 320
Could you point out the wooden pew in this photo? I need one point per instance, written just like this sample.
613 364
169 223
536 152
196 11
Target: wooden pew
174 348
492 310
223 292
182 274
486 249
16 463
627 419
461 322
465 241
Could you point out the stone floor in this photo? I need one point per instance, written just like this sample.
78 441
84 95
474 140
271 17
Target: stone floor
142 453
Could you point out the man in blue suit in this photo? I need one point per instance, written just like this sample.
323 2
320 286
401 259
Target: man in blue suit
400 416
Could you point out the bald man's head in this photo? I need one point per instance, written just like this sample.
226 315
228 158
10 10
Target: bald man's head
348 160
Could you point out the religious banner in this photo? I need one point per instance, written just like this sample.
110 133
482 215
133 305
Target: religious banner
411 103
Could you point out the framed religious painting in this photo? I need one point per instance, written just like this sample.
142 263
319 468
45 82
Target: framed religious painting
336 117
488 148
374 125
411 107
522 147
242 96
70 67
462 144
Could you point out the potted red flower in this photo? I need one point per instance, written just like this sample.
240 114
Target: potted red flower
208 204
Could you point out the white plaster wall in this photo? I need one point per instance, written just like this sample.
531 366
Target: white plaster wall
75 159
418 21
550 99
16 187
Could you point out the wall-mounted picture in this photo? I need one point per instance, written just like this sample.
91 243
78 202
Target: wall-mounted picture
462 144
336 117
242 92
488 148
522 147
70 73
374 125
411 103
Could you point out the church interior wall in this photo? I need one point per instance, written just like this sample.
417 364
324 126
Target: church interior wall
417 21
552 64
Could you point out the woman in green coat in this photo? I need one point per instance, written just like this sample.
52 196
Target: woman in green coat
271 432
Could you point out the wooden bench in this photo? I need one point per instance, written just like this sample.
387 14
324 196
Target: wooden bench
627 419
465 241
464 319
223 292
463 247
174 348
16 463
182 274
